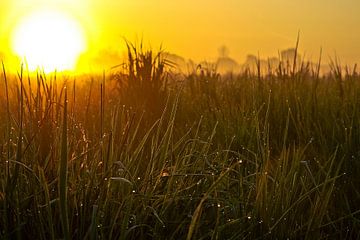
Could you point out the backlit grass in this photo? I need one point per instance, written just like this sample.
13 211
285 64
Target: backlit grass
142 153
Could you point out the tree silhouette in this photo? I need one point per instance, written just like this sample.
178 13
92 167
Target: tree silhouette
223 51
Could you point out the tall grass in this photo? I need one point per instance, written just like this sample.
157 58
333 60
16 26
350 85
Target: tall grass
144 154
63 172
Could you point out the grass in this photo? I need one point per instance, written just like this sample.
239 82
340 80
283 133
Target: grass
143 153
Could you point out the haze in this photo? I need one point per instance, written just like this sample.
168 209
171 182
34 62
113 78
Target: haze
196 29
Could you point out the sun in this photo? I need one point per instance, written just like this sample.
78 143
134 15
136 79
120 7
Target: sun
49 40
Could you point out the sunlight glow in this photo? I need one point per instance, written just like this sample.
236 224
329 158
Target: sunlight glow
49 40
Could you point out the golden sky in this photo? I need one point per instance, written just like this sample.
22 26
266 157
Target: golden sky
197 28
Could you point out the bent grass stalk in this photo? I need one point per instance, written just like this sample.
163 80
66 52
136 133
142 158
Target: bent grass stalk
197 212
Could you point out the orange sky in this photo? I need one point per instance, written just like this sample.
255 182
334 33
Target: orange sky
197 28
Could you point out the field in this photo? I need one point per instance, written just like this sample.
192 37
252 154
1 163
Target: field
144 152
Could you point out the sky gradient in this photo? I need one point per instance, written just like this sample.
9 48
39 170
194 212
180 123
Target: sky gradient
196 29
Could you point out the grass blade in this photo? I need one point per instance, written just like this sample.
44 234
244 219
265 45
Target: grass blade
63 175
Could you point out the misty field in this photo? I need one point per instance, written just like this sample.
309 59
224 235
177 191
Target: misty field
144 152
